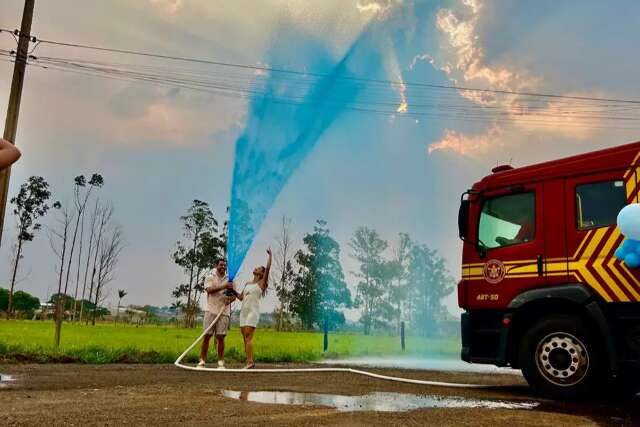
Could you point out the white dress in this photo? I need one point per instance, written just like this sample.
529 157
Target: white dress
250 311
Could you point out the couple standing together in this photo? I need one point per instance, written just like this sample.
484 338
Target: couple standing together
220 293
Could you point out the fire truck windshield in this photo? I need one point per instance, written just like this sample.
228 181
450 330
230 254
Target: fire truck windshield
507 220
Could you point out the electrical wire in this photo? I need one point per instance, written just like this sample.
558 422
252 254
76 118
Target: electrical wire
378 97
297 72
11 32
455 111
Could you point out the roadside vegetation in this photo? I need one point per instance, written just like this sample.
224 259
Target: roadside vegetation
30 341
398 286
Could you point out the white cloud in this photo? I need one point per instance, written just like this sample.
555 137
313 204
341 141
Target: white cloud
380 9
467 145
372 7
463 59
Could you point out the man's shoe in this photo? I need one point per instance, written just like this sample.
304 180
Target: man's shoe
221 364
200 365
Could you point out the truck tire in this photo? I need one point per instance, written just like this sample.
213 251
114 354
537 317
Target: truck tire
561 357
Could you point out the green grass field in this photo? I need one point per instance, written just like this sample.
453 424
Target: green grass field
24 340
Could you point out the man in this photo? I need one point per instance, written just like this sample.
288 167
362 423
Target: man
217 302
9 154
526 233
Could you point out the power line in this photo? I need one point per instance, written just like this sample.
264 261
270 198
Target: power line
516 110
304 73
234 85
357 106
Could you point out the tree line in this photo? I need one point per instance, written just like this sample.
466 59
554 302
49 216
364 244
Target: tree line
397 281
84 238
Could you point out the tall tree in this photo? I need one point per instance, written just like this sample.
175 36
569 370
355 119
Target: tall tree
105 215
110 251
93 221
198 253
430 284
58 239
319 290
284 272
81 195
30 205
375 274
399 293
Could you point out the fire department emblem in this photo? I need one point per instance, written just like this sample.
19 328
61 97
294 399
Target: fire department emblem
494 271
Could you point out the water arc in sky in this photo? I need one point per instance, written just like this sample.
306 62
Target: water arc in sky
286 119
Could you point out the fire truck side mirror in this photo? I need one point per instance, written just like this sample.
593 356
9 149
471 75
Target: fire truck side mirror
463 219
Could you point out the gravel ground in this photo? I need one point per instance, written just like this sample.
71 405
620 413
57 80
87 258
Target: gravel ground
76 394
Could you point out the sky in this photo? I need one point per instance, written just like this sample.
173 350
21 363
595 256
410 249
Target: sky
159 148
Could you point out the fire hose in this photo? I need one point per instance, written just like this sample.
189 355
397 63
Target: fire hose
179 364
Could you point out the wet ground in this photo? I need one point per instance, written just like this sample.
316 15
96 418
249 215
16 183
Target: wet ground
165 395
379 401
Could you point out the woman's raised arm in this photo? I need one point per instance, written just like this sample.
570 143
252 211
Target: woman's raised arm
265 280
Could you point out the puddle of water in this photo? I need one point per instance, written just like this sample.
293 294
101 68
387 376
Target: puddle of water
5 380
379 401
426 364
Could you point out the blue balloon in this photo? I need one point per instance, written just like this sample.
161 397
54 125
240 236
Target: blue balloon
629 221
628 245
620 253
632 260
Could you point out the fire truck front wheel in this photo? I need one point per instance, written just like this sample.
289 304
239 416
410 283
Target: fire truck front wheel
560 357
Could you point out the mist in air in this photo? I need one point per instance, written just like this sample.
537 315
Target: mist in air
287 117
288 114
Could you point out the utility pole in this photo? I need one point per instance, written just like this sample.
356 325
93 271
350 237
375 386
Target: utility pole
13 110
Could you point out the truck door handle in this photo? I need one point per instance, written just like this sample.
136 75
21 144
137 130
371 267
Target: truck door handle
540 266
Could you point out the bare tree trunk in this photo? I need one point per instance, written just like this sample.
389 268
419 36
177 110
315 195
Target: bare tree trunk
282 260
98 289
62 236
86 270
105 217
73 241
95 302
75 293
190 307
13 277
80 204
109 253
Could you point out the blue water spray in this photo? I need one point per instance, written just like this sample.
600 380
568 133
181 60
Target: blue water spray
285 121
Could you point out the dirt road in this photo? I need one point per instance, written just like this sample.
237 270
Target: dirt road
164 395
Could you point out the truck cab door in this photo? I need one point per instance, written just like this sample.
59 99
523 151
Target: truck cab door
510 255
594 202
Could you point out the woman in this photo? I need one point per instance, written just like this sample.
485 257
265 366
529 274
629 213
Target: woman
9 154
250 311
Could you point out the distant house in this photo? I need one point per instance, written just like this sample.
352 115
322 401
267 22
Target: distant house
46 311
129 314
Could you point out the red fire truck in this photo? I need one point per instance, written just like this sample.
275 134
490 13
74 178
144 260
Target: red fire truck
541 288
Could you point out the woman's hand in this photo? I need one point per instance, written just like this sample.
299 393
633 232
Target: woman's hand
9 153
268 262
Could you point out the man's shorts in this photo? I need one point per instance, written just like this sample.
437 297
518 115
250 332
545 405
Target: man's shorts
220 328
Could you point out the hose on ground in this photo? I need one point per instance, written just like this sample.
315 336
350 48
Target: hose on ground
179 364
